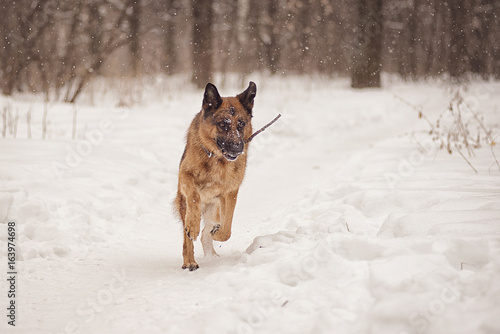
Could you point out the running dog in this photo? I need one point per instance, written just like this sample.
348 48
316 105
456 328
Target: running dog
212 168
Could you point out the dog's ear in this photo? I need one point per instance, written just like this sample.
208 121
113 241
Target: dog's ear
246 98
211 99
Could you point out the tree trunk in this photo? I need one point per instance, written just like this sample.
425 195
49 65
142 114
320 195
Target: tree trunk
458 50
170 40
7 61
366 63
412 40
67 72
95 27
134 45
202 42
482 48
272 47
305 38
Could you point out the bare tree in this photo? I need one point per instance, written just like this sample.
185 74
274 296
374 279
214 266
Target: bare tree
481 37
8 59
25 25
457 60
134 20
169 30
51 45
202 42
272 49
67 70
226 32
58 46
366 64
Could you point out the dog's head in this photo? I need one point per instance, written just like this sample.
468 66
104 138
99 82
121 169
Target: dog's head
227 121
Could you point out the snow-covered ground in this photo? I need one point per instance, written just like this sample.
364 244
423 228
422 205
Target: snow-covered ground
350 219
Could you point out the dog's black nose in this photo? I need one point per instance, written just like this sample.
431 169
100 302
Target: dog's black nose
230 149
235 147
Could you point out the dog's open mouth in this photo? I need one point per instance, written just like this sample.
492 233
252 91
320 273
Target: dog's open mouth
230 156
229 150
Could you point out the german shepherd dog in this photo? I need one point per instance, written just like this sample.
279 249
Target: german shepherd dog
212 168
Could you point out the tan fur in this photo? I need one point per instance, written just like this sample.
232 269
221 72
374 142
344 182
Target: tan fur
208 182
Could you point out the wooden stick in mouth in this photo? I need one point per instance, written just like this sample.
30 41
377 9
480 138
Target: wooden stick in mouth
262 129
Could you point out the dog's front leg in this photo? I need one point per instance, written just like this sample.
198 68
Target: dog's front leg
193 207
227 205
191 220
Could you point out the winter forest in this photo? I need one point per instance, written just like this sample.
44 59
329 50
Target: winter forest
57 46
370 206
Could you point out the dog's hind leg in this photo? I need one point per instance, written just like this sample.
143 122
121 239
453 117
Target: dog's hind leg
222 231
207 241
210 217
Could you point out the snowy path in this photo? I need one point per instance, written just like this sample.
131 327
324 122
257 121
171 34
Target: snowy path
342 225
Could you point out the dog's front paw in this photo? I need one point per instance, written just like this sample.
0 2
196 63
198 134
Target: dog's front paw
192 231
192 266
215 229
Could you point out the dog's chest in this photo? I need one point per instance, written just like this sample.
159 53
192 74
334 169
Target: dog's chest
219 178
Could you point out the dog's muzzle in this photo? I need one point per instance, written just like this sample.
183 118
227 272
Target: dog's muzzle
230 149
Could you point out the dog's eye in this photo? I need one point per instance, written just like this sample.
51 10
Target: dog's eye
241 125
223 125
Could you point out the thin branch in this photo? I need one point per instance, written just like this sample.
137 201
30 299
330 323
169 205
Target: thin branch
463 130
4 117
422 148
417 109
488 133
494 156
463 156
263 128
16 120
75 112
44 121
28 122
